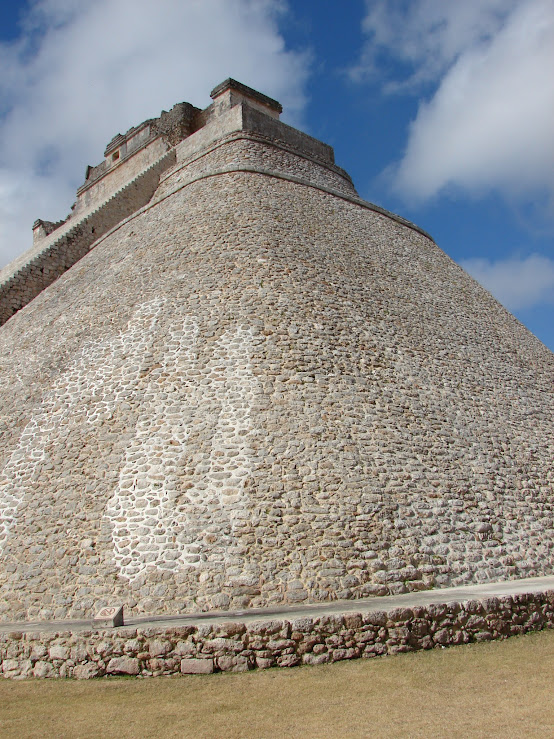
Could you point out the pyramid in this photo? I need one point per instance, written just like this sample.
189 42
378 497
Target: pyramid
227 381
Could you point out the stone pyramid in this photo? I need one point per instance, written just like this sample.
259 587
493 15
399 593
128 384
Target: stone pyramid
227 382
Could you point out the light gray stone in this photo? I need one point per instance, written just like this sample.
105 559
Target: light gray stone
88 671
123 666
109 617
57 651
197 666
43 669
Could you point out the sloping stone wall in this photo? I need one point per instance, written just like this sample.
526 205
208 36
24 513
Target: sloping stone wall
307 399
242 386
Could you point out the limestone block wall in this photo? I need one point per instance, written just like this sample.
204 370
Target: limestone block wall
233 646
120 191
115 180
257 392
280 133
25 278
246 150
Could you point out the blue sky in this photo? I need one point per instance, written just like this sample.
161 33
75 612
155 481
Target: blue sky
441 111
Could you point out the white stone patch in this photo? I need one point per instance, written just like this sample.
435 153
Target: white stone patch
151 528
184 473
143 509
87 391
229 463
26 457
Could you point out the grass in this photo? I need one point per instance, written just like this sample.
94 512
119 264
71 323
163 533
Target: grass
497 689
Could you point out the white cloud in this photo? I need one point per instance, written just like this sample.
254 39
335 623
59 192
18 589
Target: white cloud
490 120
518 283
84 71
426 35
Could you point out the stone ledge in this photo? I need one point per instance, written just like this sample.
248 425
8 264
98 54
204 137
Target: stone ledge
231 84
225 643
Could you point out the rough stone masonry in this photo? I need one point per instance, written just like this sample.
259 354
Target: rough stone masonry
229 382
235 645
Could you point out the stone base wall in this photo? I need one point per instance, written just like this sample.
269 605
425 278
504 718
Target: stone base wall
237 647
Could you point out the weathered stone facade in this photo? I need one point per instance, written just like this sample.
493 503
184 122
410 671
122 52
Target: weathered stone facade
255 388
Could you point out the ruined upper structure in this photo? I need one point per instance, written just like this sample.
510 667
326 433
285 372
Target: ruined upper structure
226 380
127 178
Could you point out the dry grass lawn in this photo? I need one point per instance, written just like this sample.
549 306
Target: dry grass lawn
499 689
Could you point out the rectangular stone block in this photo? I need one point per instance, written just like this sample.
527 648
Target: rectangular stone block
123 666
109 617
197 666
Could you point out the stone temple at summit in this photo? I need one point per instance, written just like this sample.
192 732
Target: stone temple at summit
227 381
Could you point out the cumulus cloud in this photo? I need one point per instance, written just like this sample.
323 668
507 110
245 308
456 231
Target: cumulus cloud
486 69
518 283
81 72
426 35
